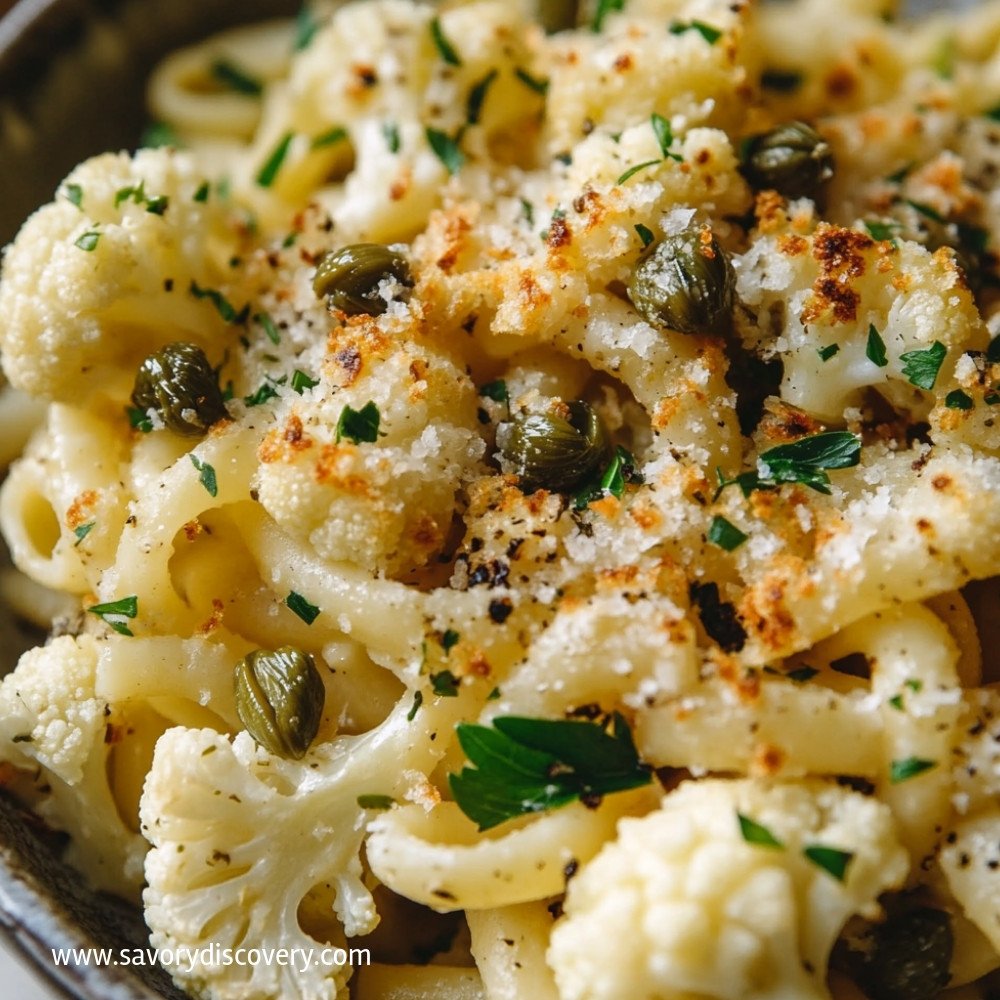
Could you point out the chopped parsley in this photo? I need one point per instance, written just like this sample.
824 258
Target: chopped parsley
88 241
376 801
833 861
232 77
446 149
477 95
539 84
301 381
359 426
875 348
909 767
306 26
113 613
881 231
74 194
898 176
601 11
645 234
449 639
139 419
494 695
156 205
783 81
159 134
710 34
725 534
753 833
445 49
267 390
921 367
329 138
825 353
993 113
926 211
390 132
203 191
297 603
269 171
497 391
207 477
222 305
632 171
958 400
664 135
265 322
620 470
445 684
524 765
418 700
82 530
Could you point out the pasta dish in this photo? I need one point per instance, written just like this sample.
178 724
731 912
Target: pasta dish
514 503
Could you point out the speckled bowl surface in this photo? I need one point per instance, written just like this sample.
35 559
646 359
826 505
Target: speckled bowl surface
72 78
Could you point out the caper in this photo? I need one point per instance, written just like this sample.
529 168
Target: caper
350 277
685 283
556 453
279 698
909 956
793 159
181 386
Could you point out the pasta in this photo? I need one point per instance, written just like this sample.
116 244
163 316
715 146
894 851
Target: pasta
581 447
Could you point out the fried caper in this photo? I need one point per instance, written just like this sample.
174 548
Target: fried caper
350 277
555 452
279 699
792 159
909 956
685 283
178 382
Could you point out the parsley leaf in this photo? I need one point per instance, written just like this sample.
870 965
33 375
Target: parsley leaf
497 391
305 28
297 603
301 381
156 205
264 392
81 531
910 767
539 84
234 78
601 11
88 241
784 81
645 234
805 461
881 231
725 534
922 367
620 470
269 171
418 700
446 149
834 862
958 400
329 138
710 34
376 801
926 211
390 131
265 321
445 684
634 170
114 611
449 639
139 419
222 305
359 425
445 49
664 136
207 477
753 833
159 134
202 193
825 353
525 765
477 95
74 194
875 349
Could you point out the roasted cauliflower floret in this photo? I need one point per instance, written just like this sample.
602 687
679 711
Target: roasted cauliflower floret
52 718
116 265
693 900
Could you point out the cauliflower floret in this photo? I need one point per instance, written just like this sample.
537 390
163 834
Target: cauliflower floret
683 903
51 716
110 269
240 838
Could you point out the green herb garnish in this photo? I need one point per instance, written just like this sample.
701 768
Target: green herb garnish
156 205
267 325
234 78
449 639
710 34
806 460
207 477
202 193
74 194
445 149
831 860
301 381
881 231
81 531
921 367
445 684
784 81
306 26
664 136
753 833
539 84
875 349
159 134
418 700
909 767
222 305
527 765
114 611
269 171
926 211
802 674
634 170
958 400
359 426
477 95
445 49
297 603
376 801
825 353
390 131
725 534
645 234
139 419
329 138
601 11
88 241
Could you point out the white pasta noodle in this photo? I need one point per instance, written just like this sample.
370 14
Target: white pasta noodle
435 602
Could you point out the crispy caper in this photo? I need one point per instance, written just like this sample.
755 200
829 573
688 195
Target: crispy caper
350 277
555 452
793 159
279 698
685 283
909 956
182 387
